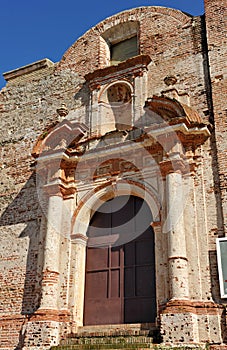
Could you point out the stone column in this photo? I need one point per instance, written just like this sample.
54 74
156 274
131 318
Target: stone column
78 260
50 279
178 269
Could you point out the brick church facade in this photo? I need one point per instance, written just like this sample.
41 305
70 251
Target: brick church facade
113 183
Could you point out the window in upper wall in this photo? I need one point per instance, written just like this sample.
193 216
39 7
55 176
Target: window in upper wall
123 50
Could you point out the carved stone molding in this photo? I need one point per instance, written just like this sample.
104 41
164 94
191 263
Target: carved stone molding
169 109
170 80
53 190
58 137
196 307
62 111
173 166
68 192
130 68
79 238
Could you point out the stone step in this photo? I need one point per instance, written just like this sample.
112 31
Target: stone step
143 329
108 337
139 346
107 340
114 333
89 347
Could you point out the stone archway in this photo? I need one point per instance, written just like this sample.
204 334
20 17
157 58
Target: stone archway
80 224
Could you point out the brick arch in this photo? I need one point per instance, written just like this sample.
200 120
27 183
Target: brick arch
94 199
138 14
85 54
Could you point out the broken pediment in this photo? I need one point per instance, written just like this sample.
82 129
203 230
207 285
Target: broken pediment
165 109
58 137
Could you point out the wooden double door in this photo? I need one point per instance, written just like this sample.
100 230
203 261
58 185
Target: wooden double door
120 279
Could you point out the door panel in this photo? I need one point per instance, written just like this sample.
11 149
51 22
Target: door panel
103 291
120 281
141 310
97 281
115 257
98 259
139 279
103 311
115 284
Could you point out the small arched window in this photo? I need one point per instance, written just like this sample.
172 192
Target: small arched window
123 50
120 42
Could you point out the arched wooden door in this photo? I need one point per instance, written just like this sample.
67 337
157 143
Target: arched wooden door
120 280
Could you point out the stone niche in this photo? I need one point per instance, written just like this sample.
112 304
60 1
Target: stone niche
116 106
118 95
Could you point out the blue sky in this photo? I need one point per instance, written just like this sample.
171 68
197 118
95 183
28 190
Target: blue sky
32 30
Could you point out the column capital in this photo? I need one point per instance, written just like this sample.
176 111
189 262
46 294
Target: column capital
53 189
173 166
60 190
68 191
79 238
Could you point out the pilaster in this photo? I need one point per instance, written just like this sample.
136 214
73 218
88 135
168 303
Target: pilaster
49 299
178 269
78 260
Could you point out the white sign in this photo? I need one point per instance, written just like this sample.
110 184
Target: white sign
222 264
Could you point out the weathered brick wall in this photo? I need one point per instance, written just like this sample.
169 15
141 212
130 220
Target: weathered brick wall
27 106
181 58
173 40
216 25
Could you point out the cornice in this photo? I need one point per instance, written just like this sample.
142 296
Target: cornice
132 67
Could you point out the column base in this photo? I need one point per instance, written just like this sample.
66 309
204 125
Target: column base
184 321
46 327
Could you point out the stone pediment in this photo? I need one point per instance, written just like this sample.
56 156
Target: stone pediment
58 137
170 110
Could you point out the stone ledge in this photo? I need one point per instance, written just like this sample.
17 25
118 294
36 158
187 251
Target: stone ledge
132 346
30 68
42 315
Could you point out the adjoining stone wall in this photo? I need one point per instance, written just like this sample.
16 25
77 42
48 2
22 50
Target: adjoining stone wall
28 105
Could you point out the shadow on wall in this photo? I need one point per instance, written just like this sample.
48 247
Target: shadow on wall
83 96
25 209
